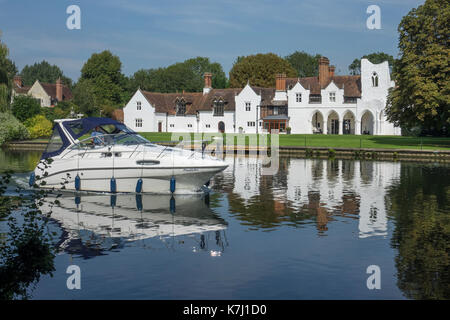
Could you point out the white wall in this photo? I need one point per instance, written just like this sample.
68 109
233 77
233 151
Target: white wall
147 114
242 116
208 118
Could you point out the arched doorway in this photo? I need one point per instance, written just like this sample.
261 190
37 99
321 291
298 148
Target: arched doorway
367 123
317 122
333 123
221 127
348 123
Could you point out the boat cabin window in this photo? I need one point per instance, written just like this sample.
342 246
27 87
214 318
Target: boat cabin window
55 143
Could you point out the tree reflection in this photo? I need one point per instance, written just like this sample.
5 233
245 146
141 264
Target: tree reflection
420 203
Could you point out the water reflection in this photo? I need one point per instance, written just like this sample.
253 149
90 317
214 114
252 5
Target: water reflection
310 190
95 223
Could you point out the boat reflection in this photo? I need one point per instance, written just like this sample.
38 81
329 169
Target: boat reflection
95 223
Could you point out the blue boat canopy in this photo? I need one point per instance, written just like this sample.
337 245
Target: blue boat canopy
77 128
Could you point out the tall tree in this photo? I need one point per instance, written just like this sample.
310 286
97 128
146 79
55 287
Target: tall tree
259 70
84 98
307 65
421 96
44 72
7 71
187 75
103 71
376 57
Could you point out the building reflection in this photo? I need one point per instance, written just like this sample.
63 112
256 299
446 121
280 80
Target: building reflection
305 190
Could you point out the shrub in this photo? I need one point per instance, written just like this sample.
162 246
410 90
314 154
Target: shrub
39 126
25 107
331 153
11 129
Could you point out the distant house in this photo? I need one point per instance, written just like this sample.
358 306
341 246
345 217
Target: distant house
48 94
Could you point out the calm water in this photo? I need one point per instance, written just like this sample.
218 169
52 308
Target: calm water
308 232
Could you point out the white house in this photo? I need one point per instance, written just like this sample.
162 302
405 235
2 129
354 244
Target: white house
327 104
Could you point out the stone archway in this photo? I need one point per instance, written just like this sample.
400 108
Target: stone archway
317 122
367 123
333 123
348 123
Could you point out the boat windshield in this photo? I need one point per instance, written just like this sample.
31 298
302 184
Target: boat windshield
101 140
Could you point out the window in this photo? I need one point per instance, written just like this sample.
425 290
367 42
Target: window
332 96
374 79
250 123
208 126
298 97
275 110
189 125
218 108
172 125
248 106
260 123
138 123
181 107
138 105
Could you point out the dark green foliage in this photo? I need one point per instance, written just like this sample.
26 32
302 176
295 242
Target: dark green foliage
7 71
421 97
84 98
187 75
44 72
376 57
25 107
305 64
259 70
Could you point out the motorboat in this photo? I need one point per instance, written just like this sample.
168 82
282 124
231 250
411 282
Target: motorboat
103 155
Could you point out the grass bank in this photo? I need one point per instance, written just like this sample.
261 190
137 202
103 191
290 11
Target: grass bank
331 141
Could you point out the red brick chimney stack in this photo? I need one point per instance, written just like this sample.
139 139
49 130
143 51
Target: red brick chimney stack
208 80
59 95
18 81
280 84
331 71
324 71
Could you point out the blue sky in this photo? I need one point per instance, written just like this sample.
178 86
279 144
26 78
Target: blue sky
151 34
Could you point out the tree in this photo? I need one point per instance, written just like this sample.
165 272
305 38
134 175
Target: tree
187 75
307 65
7 71
376 57
25 107
421 96
44 72
84 98
259 70
103 73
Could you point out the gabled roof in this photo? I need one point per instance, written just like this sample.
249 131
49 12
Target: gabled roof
50 89
350 84
166 102
21 90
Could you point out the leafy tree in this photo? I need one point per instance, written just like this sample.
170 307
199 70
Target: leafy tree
25 107
422 93
187 75
376 57
84 98
7 71
259 70
44 72
39 126
11 128
307 65
103 72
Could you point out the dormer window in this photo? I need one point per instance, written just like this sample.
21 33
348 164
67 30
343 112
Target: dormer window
138 105
374 79
181 107
332 96
218 107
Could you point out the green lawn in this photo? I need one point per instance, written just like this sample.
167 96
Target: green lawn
334 141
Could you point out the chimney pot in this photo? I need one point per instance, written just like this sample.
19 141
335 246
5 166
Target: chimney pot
280 83
324 71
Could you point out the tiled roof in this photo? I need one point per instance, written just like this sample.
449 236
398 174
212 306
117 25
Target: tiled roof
21 90
350 84
166 102
50 88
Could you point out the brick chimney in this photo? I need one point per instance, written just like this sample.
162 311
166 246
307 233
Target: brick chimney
280 84
331 71
324 71
208 82
59 94
18 81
